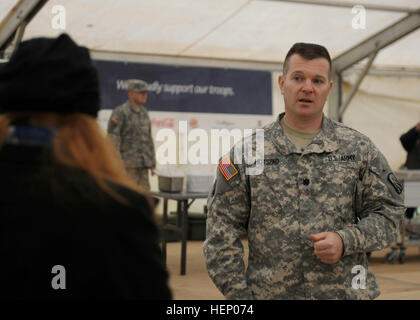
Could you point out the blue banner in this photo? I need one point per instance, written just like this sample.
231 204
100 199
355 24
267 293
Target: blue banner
188 89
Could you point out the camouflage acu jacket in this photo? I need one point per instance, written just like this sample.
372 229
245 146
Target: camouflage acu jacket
130 130
340 183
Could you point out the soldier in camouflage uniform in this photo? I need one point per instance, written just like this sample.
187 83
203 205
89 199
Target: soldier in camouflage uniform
315 209
130 129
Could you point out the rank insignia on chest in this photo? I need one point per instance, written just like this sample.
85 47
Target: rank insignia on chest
227 168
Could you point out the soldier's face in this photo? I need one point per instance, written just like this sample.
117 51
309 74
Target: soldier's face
305 87
138 98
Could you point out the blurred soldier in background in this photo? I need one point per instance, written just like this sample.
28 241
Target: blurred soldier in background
326 196
130 129
411 143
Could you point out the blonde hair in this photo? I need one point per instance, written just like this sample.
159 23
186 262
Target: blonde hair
80 143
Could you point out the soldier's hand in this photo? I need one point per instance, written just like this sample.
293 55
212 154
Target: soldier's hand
153 171
328 246
418 126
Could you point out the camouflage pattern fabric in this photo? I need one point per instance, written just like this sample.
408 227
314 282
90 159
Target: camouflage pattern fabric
340 183
140 176
130 129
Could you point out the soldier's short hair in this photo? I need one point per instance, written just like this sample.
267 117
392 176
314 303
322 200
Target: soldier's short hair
308 51
136 85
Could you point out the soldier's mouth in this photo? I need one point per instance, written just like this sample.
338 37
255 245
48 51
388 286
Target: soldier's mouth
305 100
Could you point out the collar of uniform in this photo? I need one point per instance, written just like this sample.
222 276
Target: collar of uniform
325 141
279 138
133 108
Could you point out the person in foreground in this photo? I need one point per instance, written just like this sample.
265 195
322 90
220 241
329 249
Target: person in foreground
326 196
72 224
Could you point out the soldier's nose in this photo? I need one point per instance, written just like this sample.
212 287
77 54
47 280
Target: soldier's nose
307 86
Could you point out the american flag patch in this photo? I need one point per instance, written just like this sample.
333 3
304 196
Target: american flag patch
114 119
227 168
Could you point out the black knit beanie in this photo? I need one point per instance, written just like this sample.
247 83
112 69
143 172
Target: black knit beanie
49 75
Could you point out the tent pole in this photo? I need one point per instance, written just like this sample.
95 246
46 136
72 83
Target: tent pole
343 4
376 42
23 11
335 96
356 86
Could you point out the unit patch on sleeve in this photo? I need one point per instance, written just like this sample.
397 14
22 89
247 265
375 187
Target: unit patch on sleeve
227 168
399 187
114 119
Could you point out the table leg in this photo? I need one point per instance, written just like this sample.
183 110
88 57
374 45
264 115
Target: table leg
184 236
179 213
164 223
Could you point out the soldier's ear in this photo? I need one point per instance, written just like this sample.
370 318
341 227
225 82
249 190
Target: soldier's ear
281 84
330 85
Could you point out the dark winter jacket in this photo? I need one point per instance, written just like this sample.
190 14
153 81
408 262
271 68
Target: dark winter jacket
411 143
62 237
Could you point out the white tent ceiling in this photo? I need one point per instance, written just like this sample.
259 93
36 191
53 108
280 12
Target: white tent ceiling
250 30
